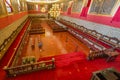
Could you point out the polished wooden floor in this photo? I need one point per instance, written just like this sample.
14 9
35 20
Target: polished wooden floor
53 44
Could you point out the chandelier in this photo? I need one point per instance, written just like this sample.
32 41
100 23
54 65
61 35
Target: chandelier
54 11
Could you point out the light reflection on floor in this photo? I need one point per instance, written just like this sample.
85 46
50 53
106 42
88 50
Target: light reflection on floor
53 44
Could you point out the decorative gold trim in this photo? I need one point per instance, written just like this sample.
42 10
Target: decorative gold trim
43 1
100 15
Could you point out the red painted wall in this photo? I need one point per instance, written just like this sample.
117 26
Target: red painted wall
97 19
75 15
111 21
7 20
103 20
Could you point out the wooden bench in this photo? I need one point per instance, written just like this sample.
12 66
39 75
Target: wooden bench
55 27
36 32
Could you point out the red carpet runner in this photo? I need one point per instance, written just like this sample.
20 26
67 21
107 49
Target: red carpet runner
73 66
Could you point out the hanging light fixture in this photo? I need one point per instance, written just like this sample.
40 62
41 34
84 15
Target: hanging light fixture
54 11
43 9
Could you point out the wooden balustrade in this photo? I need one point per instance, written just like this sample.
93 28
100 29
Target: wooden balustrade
91 44
92 39
15 49
19 50
96 54
43 65
7 42
113 42
109 54
94 33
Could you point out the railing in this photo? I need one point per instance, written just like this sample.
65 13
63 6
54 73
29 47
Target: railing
110 41
43 65
15 49
91 44
20 48
7 42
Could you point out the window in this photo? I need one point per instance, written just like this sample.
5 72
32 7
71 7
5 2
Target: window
18 5
8 6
